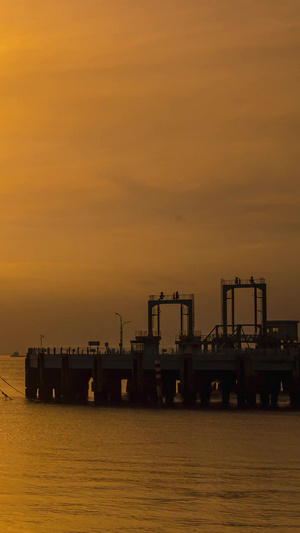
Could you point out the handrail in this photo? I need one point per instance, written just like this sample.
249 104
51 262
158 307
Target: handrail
195 335
146 334
239 281
175 296
108 350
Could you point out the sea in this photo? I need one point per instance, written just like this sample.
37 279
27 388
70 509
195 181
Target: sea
80 469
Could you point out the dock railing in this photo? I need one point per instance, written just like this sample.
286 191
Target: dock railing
107 350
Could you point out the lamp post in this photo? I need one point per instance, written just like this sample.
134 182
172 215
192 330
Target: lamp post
42 336
122 324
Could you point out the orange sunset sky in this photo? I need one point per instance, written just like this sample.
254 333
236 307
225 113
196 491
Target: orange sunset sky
145 146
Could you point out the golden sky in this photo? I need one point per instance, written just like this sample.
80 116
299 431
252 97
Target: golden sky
145 146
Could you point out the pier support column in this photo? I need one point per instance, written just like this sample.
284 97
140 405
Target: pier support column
264 398
99 381
44 384
270 388
187 380
240 382
169 386
114 387
246 382
82 386
68 382
204 387
295 388
65 384
227 384
274 387
31 380
137 392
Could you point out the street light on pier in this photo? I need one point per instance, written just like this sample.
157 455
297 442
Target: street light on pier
122 324
42 336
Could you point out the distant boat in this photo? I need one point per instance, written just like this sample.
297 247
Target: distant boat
15 354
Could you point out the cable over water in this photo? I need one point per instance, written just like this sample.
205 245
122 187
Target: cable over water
20 392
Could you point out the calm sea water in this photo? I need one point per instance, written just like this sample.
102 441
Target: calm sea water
76 469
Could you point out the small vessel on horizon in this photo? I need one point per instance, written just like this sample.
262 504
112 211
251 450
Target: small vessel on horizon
15 354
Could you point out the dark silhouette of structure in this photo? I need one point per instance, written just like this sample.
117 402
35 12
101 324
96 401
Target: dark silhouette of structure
249 361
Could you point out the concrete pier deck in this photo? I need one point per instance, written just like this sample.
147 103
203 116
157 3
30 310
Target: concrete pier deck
250 375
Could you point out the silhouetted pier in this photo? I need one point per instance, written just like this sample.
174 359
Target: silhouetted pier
247 363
